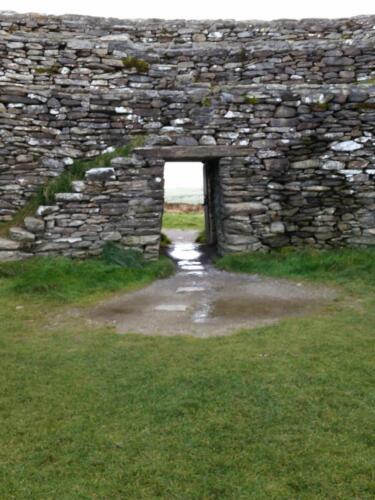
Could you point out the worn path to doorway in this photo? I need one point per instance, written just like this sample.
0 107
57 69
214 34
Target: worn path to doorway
203 301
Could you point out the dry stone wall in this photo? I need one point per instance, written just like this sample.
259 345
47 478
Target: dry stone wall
297 96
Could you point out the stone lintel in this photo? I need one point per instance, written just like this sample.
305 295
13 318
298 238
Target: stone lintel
197 153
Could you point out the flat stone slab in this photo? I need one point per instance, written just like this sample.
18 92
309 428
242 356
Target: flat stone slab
197 153
190 289
8 256
20 234
8 245
171 307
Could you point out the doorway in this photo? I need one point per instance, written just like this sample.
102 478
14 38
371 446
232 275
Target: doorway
189 198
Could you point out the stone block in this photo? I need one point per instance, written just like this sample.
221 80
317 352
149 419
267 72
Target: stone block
101 174
8 245
79 44
249 208
69 197
111 236
277 227
306 164
346 146
285 112
19 234
284 122
34 225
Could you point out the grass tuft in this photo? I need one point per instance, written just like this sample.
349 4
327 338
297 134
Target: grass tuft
114 253
76 172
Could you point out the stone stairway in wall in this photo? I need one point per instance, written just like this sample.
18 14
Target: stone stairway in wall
20 240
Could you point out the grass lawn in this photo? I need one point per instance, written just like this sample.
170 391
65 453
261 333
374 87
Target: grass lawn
183 220
280 412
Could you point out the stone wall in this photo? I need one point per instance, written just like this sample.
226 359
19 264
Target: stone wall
122 203
297 96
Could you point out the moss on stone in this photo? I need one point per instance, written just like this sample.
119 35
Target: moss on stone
368 81
320 106
51 70
242 56
309 140
207 101
132 62
251 99
365 106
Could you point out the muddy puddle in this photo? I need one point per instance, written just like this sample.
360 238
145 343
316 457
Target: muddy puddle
203 301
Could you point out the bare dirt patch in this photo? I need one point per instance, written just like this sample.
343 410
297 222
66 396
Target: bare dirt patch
203 301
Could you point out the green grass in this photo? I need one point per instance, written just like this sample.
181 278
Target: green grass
352 268
282 412
61 279
183 220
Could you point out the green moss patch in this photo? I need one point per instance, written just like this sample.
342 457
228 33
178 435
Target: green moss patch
132 62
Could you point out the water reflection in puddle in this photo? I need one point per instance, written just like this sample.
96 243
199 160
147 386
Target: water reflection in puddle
188 258
202 314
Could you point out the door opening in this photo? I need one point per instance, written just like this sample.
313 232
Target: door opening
189 198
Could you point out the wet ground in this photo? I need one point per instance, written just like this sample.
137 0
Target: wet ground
203 301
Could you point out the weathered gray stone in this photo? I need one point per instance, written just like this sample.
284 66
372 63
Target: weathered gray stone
77 44
207 140
34 225
69 197
277 227
8 245
285 112
333 165
100 174
8 256
304 164
186 141
46 209
284 122
111 236
19 234
78 186
347 146
245 208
